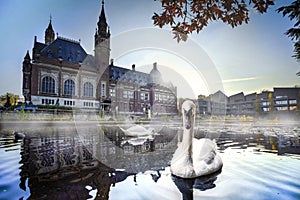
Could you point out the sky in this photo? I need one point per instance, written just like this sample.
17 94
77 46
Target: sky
250 58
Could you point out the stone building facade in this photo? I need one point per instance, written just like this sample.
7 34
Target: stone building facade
60 72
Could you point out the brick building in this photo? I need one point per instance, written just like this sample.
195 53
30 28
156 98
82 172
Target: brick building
61 72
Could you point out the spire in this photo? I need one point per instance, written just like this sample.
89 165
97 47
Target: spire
27 56
26 62
49 33
103 30
27 59
102 17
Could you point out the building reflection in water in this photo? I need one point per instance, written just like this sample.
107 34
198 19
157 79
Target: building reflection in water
67 163
58 163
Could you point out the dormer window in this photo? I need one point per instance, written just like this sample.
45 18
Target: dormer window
49 54
60 53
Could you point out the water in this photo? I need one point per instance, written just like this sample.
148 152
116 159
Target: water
100 162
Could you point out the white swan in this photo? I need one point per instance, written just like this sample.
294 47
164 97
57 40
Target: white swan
194 157
137 131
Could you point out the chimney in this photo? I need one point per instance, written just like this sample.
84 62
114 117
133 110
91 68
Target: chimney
112 62
155 65
133 67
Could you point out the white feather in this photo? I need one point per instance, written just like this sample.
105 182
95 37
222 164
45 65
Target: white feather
194 157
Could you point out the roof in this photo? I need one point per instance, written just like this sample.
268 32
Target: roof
89 61
27 56
237 97
39 46
119 73
68 50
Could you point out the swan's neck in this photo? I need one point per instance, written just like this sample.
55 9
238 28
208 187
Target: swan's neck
187 140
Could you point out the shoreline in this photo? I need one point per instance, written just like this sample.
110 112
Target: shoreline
63 122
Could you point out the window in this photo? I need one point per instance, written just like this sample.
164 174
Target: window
49 54
130 94
88 104
88 89
293 101
69 87
79 57
125 94
26 82
112 92
48 85
131 107
280 97
282 108
60 53
265 103
146 96
69 103
103 89
142 96
266 109
283 102
48 101
156 96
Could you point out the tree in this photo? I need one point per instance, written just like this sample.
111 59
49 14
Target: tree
293 12
271 103
188 16
257 105
9 99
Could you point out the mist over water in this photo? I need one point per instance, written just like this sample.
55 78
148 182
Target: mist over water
261 161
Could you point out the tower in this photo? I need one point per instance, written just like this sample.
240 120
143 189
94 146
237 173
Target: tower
102 41
27 69
102 53
49 33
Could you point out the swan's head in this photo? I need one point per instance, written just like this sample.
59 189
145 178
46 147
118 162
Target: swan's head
188 113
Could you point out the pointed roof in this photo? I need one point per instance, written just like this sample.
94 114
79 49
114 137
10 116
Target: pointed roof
49 33
102 29
50 28
102 17
27 56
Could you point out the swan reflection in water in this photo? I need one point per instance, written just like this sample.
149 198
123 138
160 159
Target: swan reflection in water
187 186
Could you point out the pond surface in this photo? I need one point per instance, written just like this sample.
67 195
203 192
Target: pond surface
100 162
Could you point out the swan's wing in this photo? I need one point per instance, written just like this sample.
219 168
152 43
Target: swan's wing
136 130
202 148
125 132
205 157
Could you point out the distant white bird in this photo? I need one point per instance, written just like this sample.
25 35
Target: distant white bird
137 131
194 157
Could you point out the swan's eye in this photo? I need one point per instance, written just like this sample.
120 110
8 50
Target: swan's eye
184 111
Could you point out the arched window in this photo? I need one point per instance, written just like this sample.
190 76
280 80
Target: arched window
88 89
69 87
48 85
